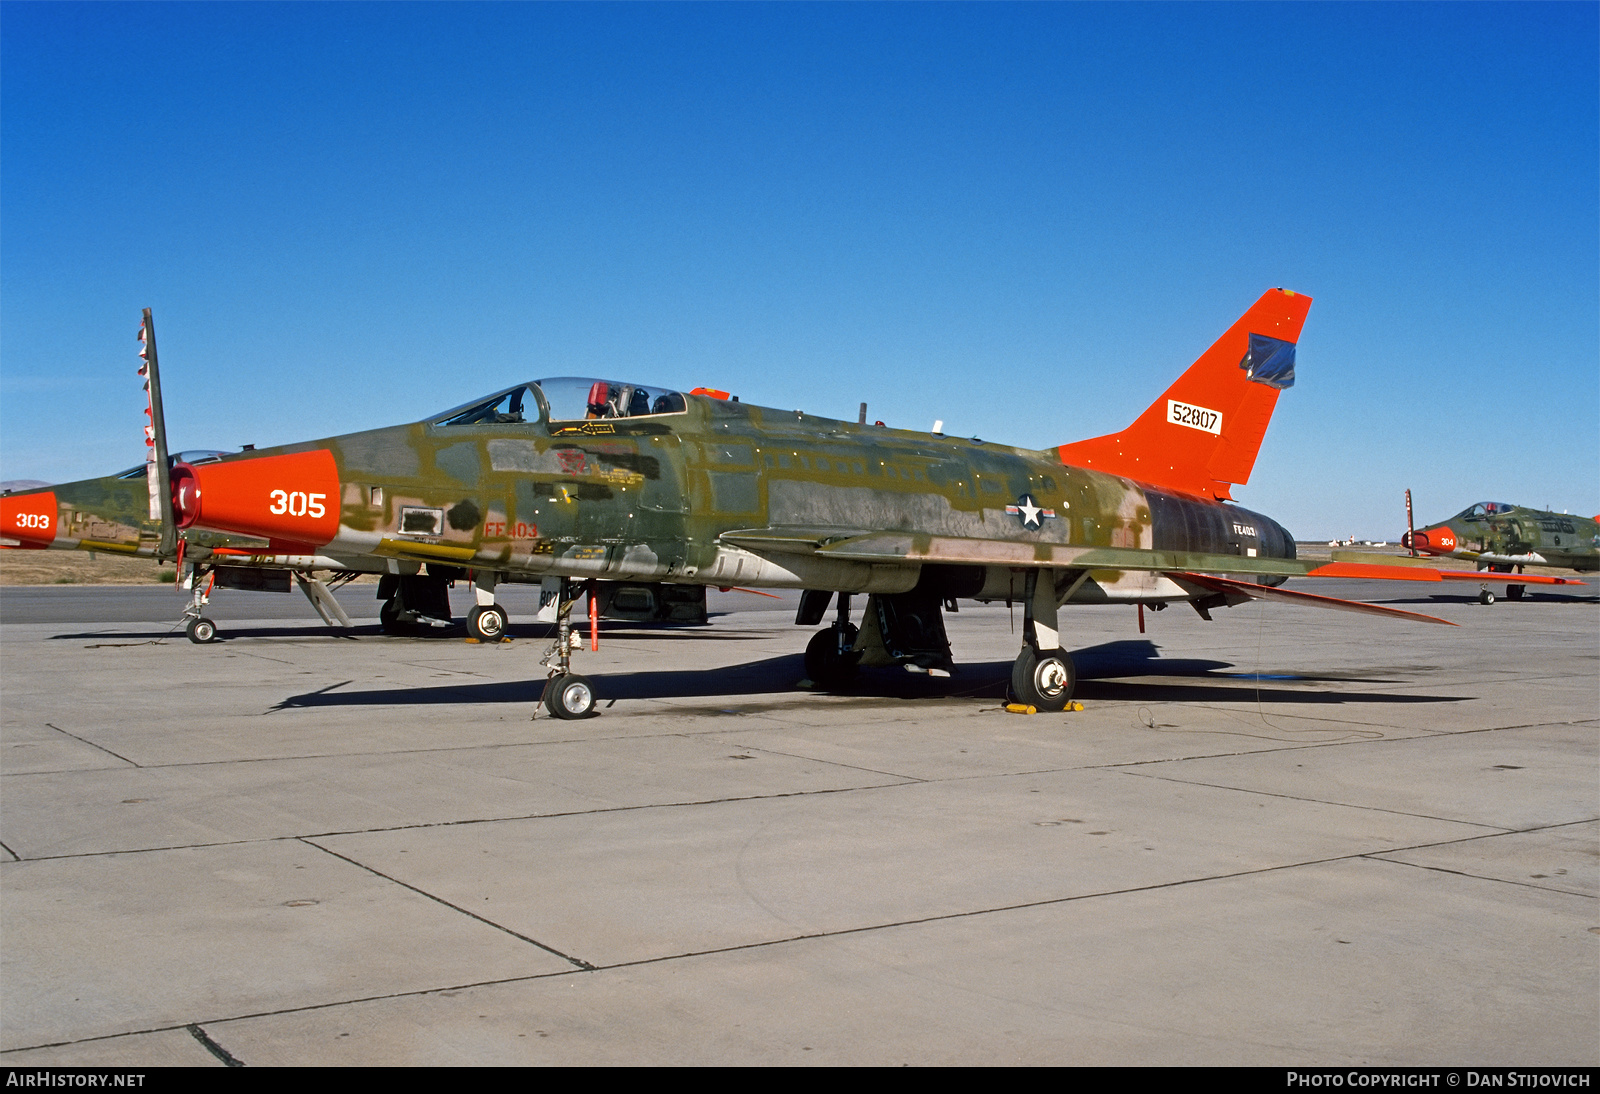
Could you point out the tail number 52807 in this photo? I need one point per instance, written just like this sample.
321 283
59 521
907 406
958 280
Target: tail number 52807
296 503
1195 417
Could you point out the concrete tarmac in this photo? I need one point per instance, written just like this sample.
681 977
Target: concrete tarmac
1286 837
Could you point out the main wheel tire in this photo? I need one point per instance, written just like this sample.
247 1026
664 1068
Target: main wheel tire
570 696
1514 592
825 664
1043 680
389 616
201 630
1486 597
487 623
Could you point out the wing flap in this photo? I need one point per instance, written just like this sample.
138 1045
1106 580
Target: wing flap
1310 600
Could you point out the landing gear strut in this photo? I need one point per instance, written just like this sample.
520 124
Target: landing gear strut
566 694
1043 676
831 660
413 603
199 629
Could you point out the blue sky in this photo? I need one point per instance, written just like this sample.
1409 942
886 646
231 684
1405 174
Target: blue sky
1022 220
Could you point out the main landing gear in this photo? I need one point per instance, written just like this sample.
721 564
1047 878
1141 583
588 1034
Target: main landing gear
487 623
566 694
487 620
907 629
1042 675
831 657
413 603
1513 592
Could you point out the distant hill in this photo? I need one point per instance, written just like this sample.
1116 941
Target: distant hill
12 485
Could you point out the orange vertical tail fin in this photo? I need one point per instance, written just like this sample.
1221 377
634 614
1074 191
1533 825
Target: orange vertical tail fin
1204 432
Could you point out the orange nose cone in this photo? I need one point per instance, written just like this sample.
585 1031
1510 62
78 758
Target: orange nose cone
1435 541
294 498
29 518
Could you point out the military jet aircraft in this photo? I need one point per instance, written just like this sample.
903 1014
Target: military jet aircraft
569 482
123 514
1504 538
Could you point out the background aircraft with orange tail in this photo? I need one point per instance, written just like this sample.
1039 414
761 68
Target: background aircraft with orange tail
570 481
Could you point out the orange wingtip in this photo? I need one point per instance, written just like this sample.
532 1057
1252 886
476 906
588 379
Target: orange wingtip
1374 571
1487 576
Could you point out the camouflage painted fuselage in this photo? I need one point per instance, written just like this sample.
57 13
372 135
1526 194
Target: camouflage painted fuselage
718 493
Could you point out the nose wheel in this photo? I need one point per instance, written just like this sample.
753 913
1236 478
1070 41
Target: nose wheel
570 696
199 581
566 694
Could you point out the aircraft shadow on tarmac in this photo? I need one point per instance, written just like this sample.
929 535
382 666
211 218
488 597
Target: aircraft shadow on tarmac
532 633
1098 667
1530 595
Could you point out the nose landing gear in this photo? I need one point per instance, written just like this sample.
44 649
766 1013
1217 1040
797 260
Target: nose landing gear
199 629
566 694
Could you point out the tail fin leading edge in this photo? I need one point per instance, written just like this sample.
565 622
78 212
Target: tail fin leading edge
1204 432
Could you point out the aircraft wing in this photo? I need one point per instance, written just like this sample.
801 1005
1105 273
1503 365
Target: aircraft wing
1194 569
857 545
917 547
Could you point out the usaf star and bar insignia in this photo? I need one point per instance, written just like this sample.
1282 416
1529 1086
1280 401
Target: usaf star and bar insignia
1030 512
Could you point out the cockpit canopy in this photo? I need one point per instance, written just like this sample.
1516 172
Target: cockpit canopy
1487 509
569 399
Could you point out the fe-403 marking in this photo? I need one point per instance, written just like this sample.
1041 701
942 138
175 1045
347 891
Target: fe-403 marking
1195 417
